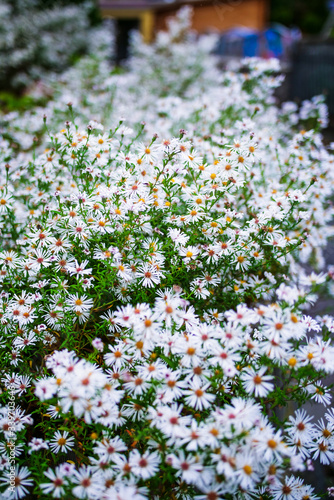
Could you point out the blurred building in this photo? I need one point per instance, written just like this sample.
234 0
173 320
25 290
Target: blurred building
219 15
150 16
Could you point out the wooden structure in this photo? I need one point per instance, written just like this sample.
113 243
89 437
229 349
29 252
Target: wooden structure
139 13
219 15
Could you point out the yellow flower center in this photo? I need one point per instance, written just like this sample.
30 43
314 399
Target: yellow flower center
292 362
247 469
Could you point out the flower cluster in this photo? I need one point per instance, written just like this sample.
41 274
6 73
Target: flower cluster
153 286
35 39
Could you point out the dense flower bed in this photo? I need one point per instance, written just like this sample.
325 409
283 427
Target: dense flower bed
153 287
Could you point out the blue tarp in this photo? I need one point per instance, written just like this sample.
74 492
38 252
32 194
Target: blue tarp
275 41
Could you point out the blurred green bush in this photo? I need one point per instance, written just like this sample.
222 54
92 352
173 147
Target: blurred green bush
308 15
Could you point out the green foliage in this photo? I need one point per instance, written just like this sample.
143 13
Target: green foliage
11 102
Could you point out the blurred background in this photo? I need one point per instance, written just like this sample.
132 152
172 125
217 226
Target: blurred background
39 37
298 32
49 35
